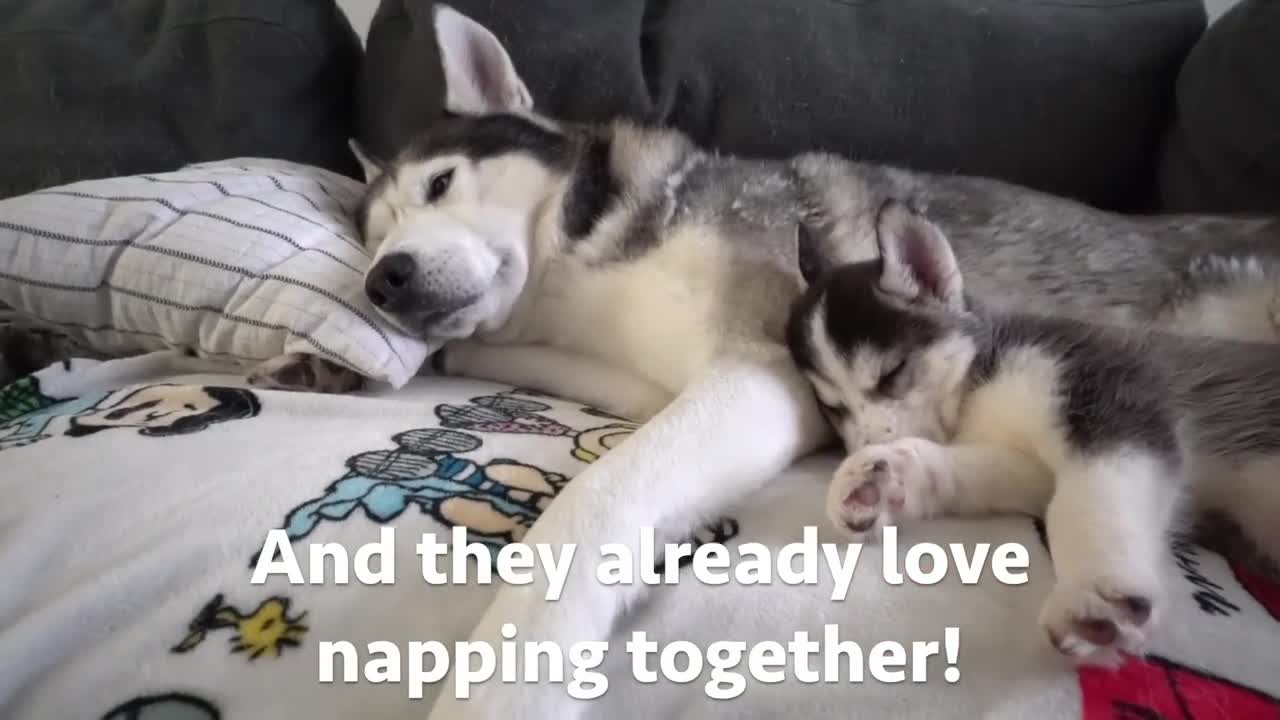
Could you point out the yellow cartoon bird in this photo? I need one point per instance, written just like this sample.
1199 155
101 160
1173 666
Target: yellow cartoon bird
265 631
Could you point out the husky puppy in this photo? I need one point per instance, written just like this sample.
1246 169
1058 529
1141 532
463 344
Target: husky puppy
949 409
625 267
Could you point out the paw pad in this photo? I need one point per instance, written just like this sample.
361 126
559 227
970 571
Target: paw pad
1095 627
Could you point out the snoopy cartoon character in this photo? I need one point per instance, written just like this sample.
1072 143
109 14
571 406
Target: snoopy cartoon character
496 502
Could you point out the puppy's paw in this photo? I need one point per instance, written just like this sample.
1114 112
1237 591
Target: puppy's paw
1100 621
305 373
884 484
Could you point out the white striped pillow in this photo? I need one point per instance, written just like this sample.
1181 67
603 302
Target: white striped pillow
242 260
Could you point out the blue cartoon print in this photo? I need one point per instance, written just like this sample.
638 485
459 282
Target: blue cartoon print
26 413
22 397
496 502
507 414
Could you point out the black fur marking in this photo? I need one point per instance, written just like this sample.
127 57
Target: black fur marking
486 136
1229 388
593 191
858 314
1111 390
645 232
798 340
1112 393
807 251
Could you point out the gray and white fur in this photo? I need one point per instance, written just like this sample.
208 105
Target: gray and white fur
624 266
949 408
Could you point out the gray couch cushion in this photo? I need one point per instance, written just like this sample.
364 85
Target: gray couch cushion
1223 153
1071 96
96 89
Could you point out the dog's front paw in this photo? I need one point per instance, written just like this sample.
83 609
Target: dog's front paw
884 484
1100 620
304 373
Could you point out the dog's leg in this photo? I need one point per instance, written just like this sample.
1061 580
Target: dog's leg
304 373
1107 527
911 478
731 431
555 372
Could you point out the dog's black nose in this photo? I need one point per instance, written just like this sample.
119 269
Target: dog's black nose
390 281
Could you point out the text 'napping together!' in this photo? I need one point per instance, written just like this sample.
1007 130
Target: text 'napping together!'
809 656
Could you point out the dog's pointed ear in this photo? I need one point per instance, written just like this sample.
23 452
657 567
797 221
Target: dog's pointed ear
478 73
917 260
372 166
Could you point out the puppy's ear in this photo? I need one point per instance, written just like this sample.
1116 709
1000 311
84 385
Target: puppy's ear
917 261
373 167
479 75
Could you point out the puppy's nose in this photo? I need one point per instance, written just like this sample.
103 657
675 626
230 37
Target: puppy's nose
389 283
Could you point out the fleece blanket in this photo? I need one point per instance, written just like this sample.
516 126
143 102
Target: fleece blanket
139 504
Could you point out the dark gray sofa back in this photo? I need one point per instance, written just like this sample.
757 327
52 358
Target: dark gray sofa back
1223 153
94 89
1069 96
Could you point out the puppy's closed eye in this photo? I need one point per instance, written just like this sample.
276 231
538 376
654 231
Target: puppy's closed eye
822 390
832 410
891 379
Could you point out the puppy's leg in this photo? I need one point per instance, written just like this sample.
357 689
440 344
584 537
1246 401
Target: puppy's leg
730 432
912 478
555 372
1108 525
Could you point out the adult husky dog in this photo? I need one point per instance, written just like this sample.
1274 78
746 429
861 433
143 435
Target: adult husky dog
624 266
